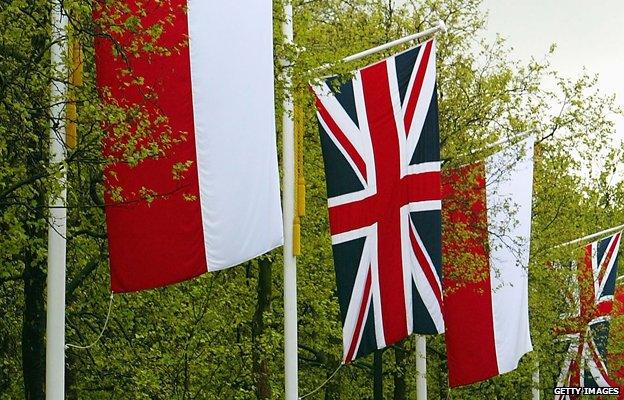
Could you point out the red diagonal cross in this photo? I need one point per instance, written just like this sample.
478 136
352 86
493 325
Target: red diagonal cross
383 207
589 309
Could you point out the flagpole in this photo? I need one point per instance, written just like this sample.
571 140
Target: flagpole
378 375
288 205
440 27
57 220
421 367
535 391
592 236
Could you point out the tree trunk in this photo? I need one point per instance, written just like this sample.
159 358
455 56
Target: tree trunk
399 376
261 370
33 326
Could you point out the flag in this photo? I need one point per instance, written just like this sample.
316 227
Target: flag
587 331
208 197
380 142
487 227
615 355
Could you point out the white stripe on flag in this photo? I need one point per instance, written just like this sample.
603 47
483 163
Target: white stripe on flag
231 47
509 249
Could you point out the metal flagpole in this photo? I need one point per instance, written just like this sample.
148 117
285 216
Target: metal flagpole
378 375
440 27
592 236
57 224
421 367
535 391
288 205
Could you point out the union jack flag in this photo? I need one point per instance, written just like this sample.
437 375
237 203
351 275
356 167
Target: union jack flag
380 141
588 330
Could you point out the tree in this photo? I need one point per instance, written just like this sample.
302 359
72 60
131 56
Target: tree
220 336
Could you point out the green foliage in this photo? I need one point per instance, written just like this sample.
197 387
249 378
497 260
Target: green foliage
201 339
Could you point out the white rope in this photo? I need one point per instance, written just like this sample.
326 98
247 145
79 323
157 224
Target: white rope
110 307
323 384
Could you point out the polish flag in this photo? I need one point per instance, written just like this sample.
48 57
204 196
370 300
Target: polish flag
202 93
487 226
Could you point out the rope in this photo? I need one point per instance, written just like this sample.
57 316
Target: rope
323 384
110 307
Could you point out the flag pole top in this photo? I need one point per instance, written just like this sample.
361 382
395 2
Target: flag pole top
439 27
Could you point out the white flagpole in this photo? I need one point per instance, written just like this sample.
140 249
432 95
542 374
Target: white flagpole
421 367
440 27
288 205
57 226
592 236
535 391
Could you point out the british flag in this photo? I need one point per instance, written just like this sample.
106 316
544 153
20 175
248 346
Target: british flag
380 141
585 364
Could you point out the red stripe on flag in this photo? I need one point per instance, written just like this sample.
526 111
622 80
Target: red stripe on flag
418 82
341 137
357 332
469 336
615 355
426 266
385 142
586 282
354 215
159 242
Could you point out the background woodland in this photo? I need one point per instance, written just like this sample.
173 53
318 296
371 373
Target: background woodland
220 336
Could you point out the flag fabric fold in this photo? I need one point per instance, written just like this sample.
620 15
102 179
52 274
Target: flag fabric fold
487 227
380 142
205 195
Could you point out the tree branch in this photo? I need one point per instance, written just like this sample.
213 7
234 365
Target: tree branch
79 279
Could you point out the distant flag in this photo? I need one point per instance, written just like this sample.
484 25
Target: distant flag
587 331
380 142
487 227
210 200
615 354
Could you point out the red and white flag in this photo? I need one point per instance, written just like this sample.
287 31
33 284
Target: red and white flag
487 226
202 92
